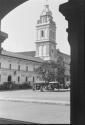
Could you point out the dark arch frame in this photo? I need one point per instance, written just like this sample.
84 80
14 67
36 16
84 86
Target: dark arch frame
74 12
8 5
5 7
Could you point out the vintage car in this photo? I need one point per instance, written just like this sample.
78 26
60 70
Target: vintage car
39 85
54 85
44 86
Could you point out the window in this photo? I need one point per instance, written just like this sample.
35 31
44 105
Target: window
40 50
15 72
9 78
0 78
26 68
18 79
19 67
53 35
33 78
34 68
42 33
52 51
26 79
0 65
9 66
44 50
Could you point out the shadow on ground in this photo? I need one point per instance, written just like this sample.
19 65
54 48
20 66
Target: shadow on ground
10 121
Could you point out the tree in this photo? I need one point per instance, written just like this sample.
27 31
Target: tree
52 71
60 70
47 70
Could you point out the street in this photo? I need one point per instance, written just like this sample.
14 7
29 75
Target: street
35 112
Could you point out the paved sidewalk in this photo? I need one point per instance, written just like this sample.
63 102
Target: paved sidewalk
35 106
36 97
35 112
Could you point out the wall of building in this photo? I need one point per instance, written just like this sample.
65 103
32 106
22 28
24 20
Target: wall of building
20 70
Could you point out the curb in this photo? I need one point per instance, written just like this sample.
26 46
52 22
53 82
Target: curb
37 101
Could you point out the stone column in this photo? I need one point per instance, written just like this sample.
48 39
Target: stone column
74 12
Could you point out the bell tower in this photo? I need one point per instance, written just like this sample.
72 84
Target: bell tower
46 35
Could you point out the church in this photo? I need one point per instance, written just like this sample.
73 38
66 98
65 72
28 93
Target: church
20 67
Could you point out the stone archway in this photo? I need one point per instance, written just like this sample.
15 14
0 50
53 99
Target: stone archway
74 12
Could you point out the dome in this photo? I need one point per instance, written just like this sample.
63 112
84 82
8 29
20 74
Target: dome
46 11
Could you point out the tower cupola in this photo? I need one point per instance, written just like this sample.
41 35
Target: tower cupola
46 11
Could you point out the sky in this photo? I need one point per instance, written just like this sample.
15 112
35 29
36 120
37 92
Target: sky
20 25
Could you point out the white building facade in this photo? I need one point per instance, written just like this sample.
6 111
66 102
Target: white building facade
18 68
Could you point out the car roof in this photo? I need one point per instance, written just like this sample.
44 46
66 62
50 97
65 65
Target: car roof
54 82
